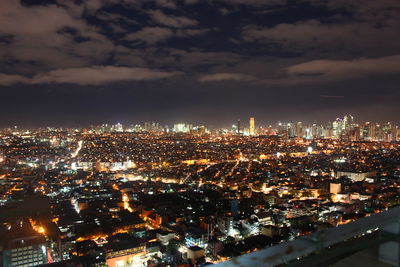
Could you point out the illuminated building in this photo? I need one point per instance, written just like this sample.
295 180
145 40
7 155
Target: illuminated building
355 176
2 158
252 129
153 127
270 230
182 128
309 133
347 123
22 246
196 237
335 188
291 130
165 237
299 129
337 128
25 252
389 132
119 127
355 134
225 224
395 133
200 130
194 253
126 255
124 250
372 131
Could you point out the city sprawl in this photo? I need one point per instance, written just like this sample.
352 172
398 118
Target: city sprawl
154 195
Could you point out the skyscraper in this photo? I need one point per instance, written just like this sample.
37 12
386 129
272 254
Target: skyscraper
252 129
22 246
299 129
182 128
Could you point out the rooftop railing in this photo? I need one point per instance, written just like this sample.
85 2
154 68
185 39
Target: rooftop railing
331 244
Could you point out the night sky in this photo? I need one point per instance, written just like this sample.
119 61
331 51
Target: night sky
76 63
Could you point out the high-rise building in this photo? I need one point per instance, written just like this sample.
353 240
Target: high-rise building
182 128
394 133
308 133
153 127
252 126
368 132
299 129
118 127
372 131
355 134
337 128
22 246
348 123
290 130
2 157
200 130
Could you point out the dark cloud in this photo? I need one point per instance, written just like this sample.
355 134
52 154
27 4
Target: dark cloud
167 3
150 35
89 76
319 71
172 21
154 35
10 79
38 36
344 37
351 28
186 60
217 77
342 69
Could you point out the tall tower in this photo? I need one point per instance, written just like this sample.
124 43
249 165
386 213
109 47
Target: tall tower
372 131
252 127
238 127
299 129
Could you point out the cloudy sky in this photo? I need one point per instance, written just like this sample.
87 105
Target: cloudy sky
74 63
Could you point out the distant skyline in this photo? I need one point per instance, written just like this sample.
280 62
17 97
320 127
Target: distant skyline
244 123
77 63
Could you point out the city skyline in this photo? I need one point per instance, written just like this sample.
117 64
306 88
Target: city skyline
344 129
243 122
